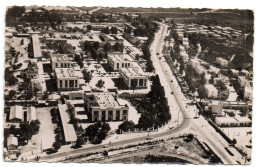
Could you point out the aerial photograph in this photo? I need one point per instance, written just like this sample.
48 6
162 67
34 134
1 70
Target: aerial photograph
128 85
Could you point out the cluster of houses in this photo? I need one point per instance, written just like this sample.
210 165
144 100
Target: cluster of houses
95 100
214 31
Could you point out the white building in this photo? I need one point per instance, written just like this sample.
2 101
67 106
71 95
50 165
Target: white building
211 91
12 142
106 107
119 60
60 61
22 113
222 62
248 94
134 77
67 79
243 81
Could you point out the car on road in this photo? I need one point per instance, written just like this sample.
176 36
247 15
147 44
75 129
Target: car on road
157 53
105 146
149 138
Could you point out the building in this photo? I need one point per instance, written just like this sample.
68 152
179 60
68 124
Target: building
12 143
119 60
31 71
134 77
222 62
60 61
248 94
22 113
211 91
67 79
231 118
68 129
36 46
243 81
106 107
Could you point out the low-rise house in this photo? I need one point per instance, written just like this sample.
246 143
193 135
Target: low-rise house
248 93
211 91
22 113
12 143
243 81
223 62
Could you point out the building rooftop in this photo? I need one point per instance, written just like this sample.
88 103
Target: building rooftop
115 57
106 100
60 57
65 73
36 46
69 131
132 72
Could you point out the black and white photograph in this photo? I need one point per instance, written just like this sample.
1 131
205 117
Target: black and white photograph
132 85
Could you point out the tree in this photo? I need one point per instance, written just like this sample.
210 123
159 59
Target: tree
134 84
105 30
12 93
87 46
70 110
118 47
79 142
35 125
126 125
22 42
97 132
96 45
100 83
113 30
107 47
56 145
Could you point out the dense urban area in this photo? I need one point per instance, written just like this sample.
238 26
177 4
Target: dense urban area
128 85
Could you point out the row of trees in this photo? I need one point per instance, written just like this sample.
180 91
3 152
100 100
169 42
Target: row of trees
112 30
155 108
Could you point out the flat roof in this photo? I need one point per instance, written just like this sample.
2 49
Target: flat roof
60 57
106 100
115 57
132 72
68 129
65 73
36 46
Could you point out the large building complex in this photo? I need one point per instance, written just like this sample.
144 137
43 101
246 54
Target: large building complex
119 60
106 107
60 61
67 79
134 77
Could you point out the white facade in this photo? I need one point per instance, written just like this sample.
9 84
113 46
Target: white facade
134 77
222 62
66 79
119 60
211 91
106 107
60 61
248 94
